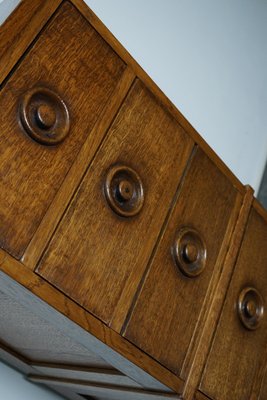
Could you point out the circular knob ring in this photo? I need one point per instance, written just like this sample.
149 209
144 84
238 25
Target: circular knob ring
250 308
124 190
189 252
44 116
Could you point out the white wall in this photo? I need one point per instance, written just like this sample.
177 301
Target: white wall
13 386
210 58
6 7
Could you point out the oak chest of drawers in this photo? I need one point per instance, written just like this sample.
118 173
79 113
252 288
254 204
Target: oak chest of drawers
132 261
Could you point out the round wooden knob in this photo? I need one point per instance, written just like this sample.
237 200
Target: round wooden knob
189 252
124 190
250 308
44 116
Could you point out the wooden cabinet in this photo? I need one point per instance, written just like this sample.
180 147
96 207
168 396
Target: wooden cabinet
170 304
237 351
132 261
100 250
55 96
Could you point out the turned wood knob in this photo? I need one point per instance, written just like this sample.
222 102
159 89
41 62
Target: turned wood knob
250 308
44 116
189 252
124 190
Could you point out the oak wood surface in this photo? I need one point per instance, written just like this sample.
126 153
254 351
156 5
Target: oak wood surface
259 388
38 13
55 198
48 224
20 283
200 396
96 257
32 173
169 307
144 77
21 27
109 392
237 354
263 388
194 364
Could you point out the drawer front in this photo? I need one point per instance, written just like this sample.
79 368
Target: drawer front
168 307
238 348
263 391
100 250
48 108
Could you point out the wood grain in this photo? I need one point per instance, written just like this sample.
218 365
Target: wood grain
20 29
144 77
31 173
259 388
55 211
200 396
237 353
21 284
263 388
96 257
169 306
111 392
194 363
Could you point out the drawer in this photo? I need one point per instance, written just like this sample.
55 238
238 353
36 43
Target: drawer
263 390
169 306
100 250
238 348
48 108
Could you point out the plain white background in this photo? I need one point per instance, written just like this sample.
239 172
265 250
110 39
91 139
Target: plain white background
210 58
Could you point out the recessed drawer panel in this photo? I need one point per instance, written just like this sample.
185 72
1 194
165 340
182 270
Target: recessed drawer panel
100 250
167 310
238 349
48 108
